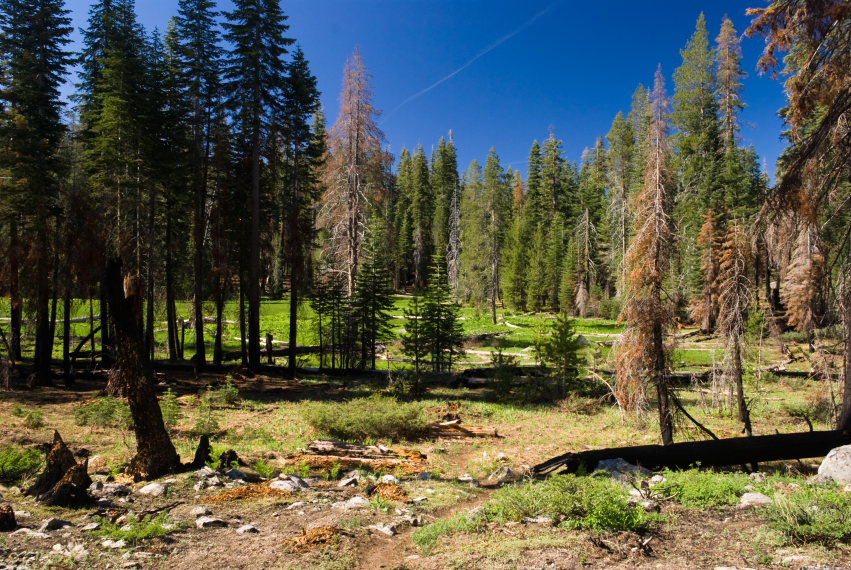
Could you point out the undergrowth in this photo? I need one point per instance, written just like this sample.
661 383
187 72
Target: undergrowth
106 412
364 418
815 514
16 464
133 531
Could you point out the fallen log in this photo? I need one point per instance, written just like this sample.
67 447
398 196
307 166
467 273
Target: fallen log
325 454
455 428
713 453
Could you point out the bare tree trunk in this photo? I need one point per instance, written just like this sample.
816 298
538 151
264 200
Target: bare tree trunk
198 284
845 414
744 413
155 453
66 331
666 417
42 355
220 307
17 304
170 309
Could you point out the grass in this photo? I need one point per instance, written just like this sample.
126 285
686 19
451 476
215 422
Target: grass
815 514
17 464
428 536
703 489
375 417
106 412
133 531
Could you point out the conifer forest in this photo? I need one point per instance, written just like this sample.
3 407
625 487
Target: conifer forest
236 332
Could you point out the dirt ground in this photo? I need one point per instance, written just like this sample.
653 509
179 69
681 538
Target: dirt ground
311 529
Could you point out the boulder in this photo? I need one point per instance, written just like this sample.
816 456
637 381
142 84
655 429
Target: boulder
247 529
154 490
836 465
53 524
755 500
621 470
210 522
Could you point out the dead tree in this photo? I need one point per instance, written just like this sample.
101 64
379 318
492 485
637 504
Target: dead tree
647 312
133 374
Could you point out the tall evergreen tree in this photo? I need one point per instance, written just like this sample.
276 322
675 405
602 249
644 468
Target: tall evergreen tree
422 217
33 40
255 83
373 297
441 330
621 159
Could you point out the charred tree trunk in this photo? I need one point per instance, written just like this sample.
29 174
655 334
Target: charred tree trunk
663 390
105 337
42 309
15 291
155 453
198 229
744 413
66 332
220 308
845 414
712 453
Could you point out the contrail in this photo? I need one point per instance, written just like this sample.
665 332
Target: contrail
473 59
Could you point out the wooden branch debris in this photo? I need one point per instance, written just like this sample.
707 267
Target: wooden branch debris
455 428
324 454
713 453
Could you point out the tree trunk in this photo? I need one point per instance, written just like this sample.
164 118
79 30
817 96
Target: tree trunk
15 291
711 453
220 308
105 326
198 229
744 413
845 414
155 453
294 300
66 332
254 239
666 418
42 342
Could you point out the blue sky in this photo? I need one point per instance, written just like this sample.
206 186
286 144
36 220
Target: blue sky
567 65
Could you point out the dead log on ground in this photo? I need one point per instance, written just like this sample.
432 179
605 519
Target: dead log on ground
455 428
324 454
715 453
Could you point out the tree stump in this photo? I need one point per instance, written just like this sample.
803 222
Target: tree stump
202 453
59 461
72 490
7 518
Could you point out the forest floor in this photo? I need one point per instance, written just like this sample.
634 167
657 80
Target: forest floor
316 528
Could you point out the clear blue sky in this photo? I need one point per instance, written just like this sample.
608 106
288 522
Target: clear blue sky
568 65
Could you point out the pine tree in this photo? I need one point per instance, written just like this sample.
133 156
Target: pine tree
303 154
441 330
373 297
444 182
200 62
622 156
254 76
647 312
422 216
33 40
730 76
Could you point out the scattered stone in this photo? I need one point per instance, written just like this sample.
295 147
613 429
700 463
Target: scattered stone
109 543
296 505
247 529
503 474
71 550
53 524
8 522
501 456
154 490
353 503
210 522
103 503
413 520
91 526
285 485
420 499
30 532
757 477
115 489
389 479
755 500
348 481
467 478
425 476
837 465
796 560
235 474
538 520
205 472
200 512
389 529
297 480
621 470
656 480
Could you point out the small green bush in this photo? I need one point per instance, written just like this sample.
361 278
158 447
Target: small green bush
703 489
133 531
170 408
206 420
225 395
33 419
373 417
581 502
16 464
426 538
106 412
815 514
264 469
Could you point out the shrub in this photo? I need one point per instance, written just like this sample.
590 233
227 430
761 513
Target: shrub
134 531
264 469
703 489
594 503
33 419
225 395
814 514
16 464
170 408
373 417
106 412
206 420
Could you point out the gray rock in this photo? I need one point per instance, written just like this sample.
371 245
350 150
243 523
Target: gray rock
200 512
837 465
538 520
390 479
656 479
467 478
114 489
285 485
425 476
109 543
205 472
503 474
210 522
353 503
755 500
247 529
302 484
154 490
103 503
757 476
296 505
621 470
389 529
348 481
31 533
796 560
235 474
53 524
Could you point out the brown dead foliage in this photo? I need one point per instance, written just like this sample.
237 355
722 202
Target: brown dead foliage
311 538
249 492
404 462
391 492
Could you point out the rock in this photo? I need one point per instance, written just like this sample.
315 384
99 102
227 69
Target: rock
109 543
353 503
501 456
296 505
297 480
154 490
53 524
796 560
538 520
235 474
389 529
503 474
97 465
247 529
656 479
114 489
621 470
420 499
200 512
31 533
103 503
837 465
348 481
755 500
467 478
757 477
204 473
91 526
210 522
389 479
286 485
8 522
425 476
